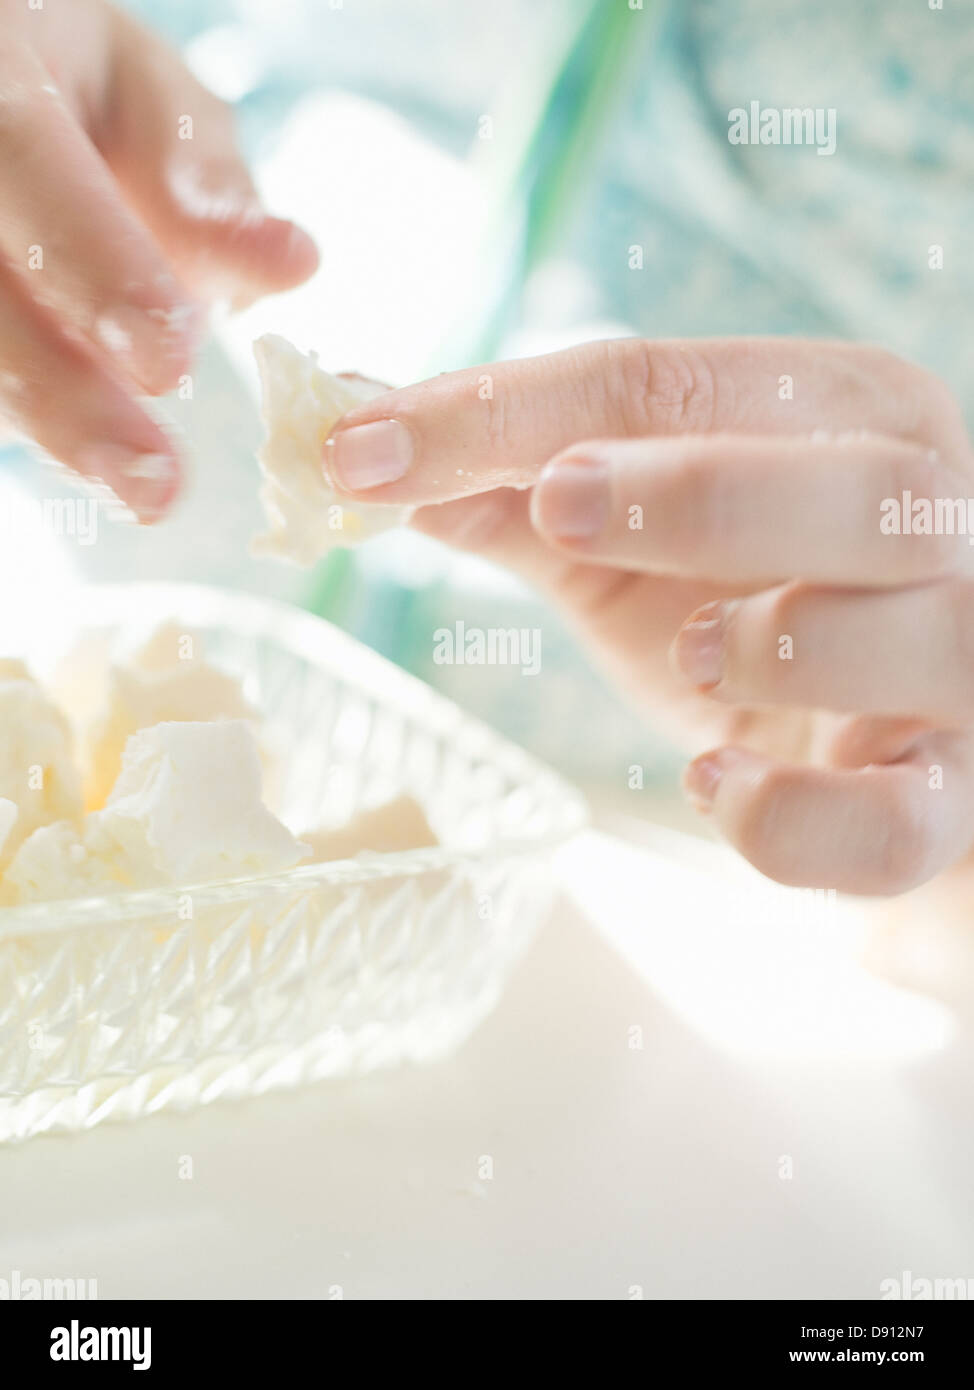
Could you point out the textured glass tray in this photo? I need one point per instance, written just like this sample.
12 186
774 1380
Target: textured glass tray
119 1007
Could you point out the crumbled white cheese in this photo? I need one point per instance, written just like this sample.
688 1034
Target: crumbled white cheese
136 700
187 809
175 761
54 863
301 404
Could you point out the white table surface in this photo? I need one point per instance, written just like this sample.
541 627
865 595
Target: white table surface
616 1167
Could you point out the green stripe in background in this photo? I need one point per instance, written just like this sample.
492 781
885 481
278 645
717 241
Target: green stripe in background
536 184
533 182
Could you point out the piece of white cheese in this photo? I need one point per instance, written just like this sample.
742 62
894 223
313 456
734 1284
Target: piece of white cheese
301 404
37 771
154 691
187 809
394 826
55 863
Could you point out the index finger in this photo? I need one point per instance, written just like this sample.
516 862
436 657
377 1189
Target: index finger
496 426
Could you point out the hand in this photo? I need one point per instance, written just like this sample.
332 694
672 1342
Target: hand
670 478
113 227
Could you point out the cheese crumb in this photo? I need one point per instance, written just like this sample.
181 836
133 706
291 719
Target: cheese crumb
157 688
54 863
301 404
196 693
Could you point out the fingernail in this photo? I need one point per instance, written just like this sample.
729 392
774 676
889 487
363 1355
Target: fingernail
147 483
698 648
153 345
571 499
701 780
367 456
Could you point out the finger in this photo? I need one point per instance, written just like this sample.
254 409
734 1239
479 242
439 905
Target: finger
878 830
906 652
496 426
172 145
65 228
749 509
627 619
59 394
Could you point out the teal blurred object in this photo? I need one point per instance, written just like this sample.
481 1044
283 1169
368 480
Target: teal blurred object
550 168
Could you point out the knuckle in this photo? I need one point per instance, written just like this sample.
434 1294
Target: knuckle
666 388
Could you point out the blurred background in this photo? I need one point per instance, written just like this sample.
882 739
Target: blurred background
488 181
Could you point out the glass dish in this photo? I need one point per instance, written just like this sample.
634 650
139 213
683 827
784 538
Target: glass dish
117 1007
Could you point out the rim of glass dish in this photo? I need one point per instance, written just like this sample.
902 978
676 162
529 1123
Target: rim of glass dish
105 605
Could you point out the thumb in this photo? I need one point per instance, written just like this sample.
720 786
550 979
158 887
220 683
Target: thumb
172 146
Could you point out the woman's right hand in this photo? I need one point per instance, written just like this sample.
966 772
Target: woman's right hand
744 478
